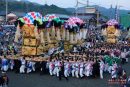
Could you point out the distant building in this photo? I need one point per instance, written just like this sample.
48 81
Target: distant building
125 20
89 14
63 16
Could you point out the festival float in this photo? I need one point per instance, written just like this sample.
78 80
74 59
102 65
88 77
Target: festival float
111 31
39 34
75 32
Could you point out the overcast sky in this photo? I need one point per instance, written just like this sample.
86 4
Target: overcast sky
71 3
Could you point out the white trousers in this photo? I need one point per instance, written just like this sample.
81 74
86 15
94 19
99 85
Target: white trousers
77 74
22 69
4 68
51 71
113 74
106 67
56 71
11 67
81 72
101 74
73 73
109 69
88 72
66 74
29 70
33 67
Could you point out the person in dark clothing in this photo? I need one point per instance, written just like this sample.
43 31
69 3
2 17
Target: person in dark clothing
5 80
17 64
120 71
96 69
1 81
43 67
61 72
37 66
128 82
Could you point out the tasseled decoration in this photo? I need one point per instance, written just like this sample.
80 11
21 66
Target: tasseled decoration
67 35
71 37
104 32
17 33
128 35
48 36
82 33
75 37
63 33
58 34
85 33
36 33
42 37
117 33
53 32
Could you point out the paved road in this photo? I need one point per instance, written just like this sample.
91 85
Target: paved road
35 80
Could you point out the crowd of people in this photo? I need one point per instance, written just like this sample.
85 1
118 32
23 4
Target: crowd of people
90 60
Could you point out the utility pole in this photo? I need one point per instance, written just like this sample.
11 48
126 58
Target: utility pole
6 10
118 14
76 7
110 12
87 3
98 17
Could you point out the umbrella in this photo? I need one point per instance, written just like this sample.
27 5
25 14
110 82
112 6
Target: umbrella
49 17
112 22
74 20
31 16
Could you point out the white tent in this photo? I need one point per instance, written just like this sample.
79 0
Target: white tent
11 15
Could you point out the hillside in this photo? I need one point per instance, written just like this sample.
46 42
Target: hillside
22 6
104 11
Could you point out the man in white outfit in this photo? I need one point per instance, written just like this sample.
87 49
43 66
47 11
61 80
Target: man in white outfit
22 68
114 71
66 68
51 67
29 67
4 64
56 69
88 69
81 69
77 69
73 69
101 69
